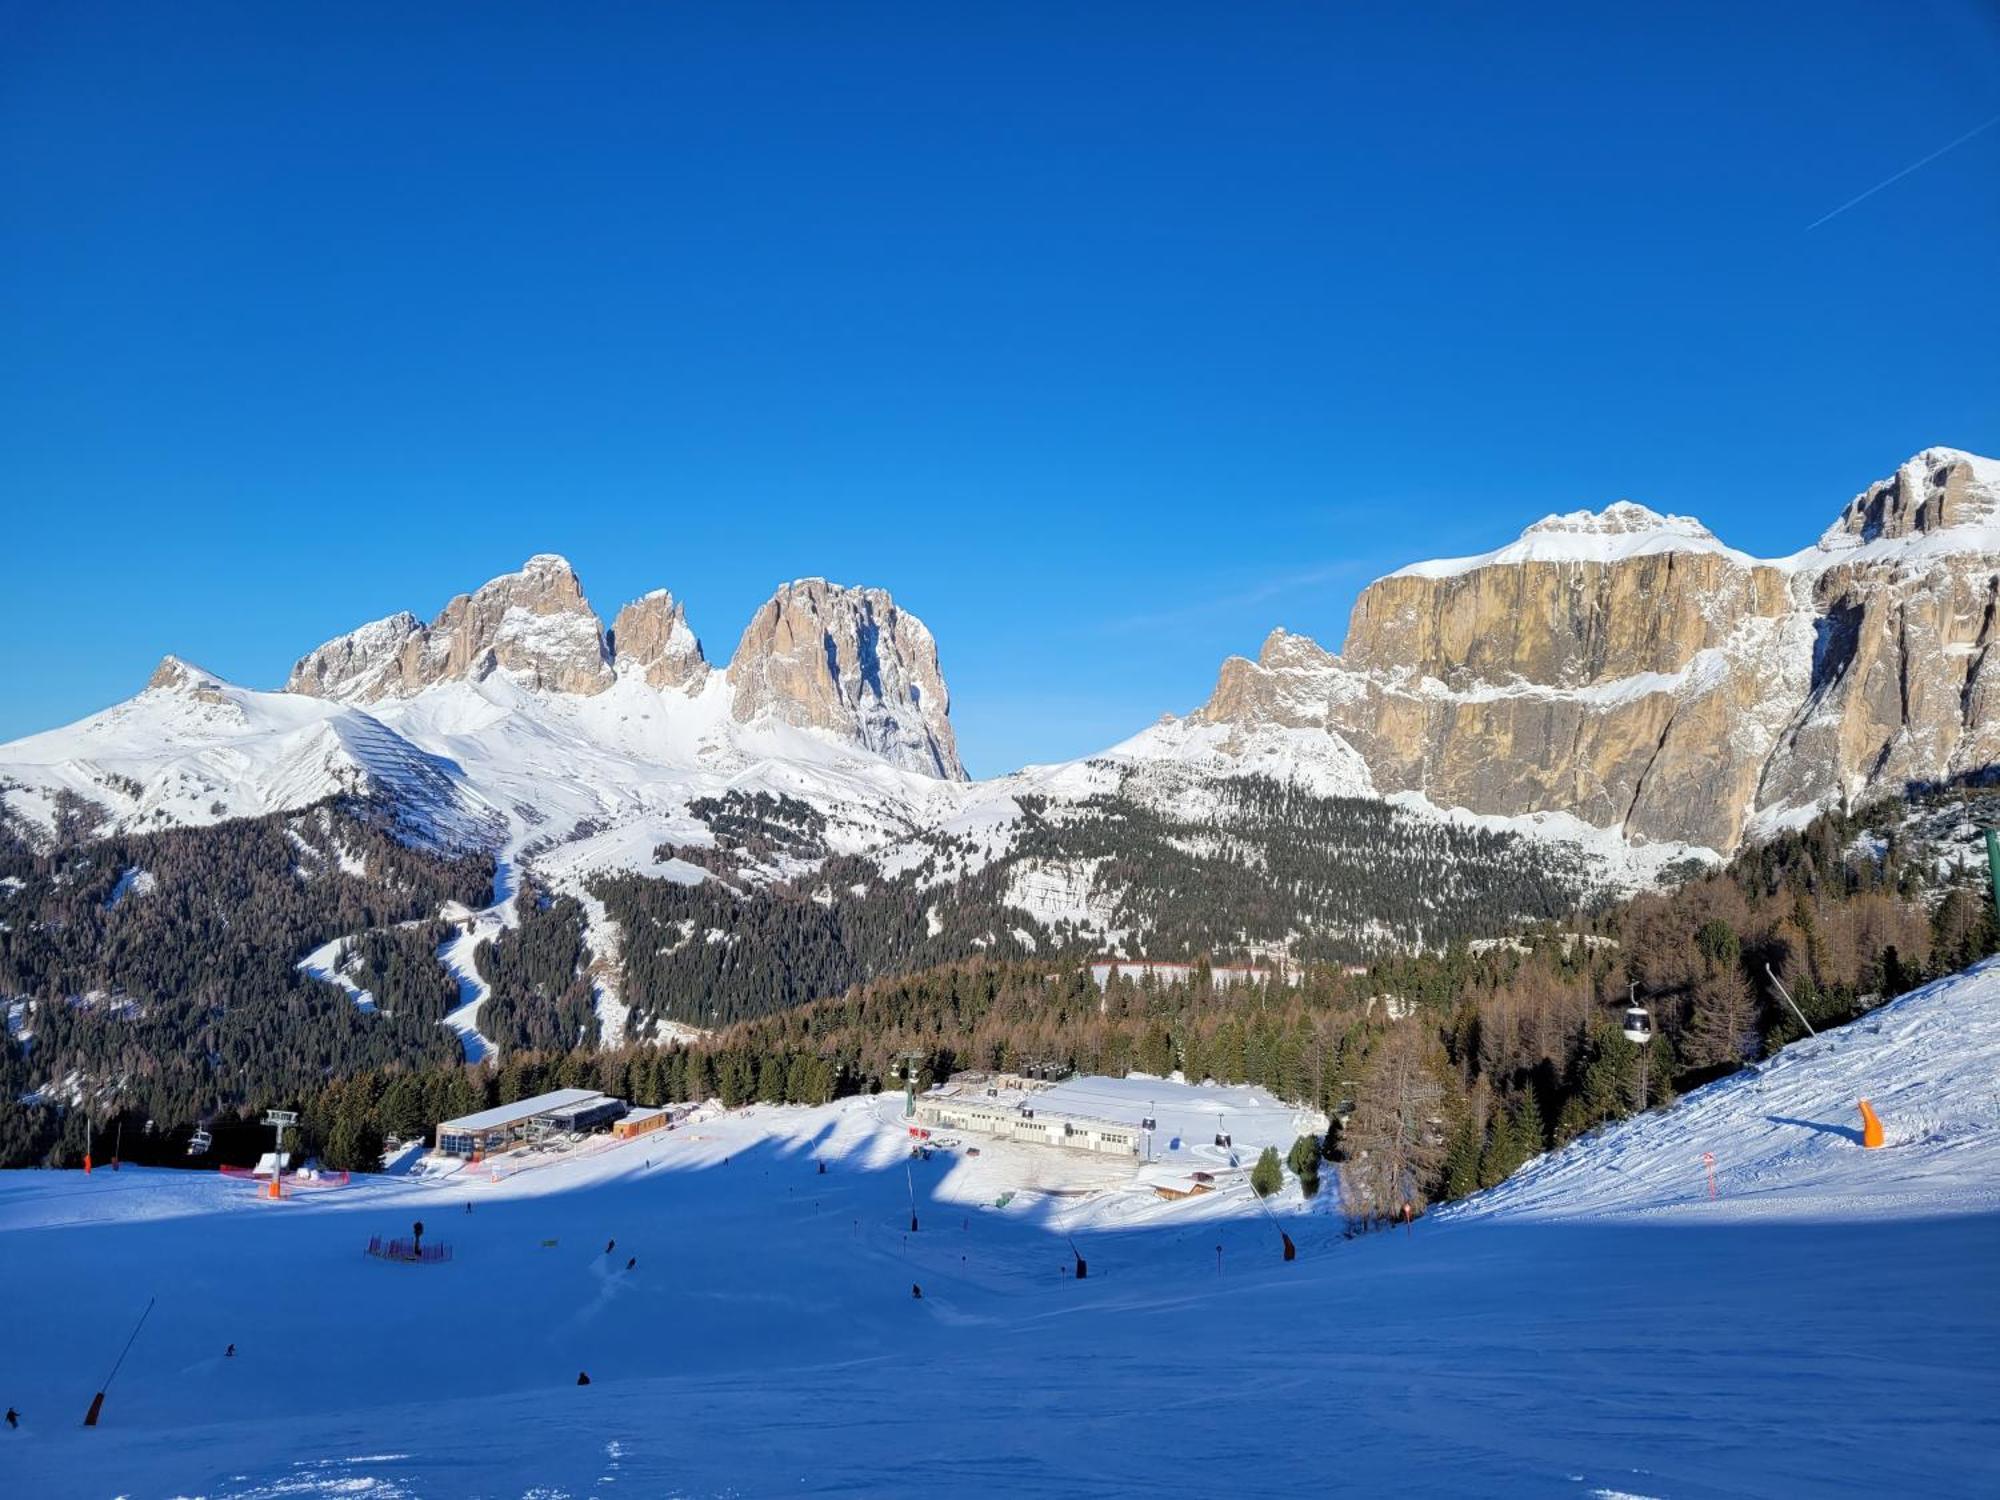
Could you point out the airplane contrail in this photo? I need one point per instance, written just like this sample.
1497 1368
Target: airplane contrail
1899 176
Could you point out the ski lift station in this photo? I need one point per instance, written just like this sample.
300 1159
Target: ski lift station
562 1112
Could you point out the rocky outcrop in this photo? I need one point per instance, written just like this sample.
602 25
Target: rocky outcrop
845 661
1905 682
1630 668
848 662
651 637
173 675
535 625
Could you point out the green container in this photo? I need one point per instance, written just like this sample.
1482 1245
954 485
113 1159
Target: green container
1993 865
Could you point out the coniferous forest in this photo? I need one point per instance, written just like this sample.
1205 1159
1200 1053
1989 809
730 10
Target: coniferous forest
162 967
1441 1069
1263 865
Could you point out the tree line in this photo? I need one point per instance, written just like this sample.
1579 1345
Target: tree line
1441 1073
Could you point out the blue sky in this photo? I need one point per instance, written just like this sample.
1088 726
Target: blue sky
1106 337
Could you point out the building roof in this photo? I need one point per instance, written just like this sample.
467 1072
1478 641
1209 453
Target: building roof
521 1109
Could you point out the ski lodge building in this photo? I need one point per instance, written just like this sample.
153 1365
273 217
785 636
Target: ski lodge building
964 1104
563 1112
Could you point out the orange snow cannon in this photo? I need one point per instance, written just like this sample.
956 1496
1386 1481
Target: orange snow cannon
1871 1126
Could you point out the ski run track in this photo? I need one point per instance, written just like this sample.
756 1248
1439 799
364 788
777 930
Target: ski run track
1828 1323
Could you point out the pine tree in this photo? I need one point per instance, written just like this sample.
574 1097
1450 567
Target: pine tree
1393 1138
1268 1175
1462 1158
354 1144
1722 1026
1304 1162
1607 1082
1514 1140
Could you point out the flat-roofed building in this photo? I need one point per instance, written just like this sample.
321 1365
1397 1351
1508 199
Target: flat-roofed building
1023 1122
643 1121
561 1112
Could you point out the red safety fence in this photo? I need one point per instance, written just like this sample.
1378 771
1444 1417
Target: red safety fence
290 1179
408 1250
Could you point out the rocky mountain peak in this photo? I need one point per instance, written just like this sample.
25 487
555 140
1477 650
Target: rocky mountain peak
1628 667
1937 490
534 624
651 636
1283 650
173 675
847 660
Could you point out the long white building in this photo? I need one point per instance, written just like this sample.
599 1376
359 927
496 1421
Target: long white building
966 1107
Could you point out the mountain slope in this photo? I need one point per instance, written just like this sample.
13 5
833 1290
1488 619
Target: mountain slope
1825 1327
193 750
1786 1134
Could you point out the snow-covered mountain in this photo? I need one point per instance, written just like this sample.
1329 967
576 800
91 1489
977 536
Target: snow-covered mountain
1630 669
1619 684
192 749
514 715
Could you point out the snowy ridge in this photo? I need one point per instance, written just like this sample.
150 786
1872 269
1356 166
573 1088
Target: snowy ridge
1620 531
1625 530
194 750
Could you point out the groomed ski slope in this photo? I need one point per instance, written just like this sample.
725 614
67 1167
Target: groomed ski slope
1599 1326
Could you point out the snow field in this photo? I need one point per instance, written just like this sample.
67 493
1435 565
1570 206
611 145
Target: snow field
1595 1327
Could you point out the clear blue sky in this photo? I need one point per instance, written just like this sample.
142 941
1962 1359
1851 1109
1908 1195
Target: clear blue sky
1106 337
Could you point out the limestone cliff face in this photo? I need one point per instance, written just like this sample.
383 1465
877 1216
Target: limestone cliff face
534 625
1580 599
1905 683
849 662
652 637
1630 668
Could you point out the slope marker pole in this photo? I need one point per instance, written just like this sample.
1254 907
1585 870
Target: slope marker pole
1775 980
97 1401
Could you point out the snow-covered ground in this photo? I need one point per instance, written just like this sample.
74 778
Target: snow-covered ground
460 956
1784 1134
1599 1326
328 962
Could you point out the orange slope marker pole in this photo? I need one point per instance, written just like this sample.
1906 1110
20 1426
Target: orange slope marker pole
1871 1126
